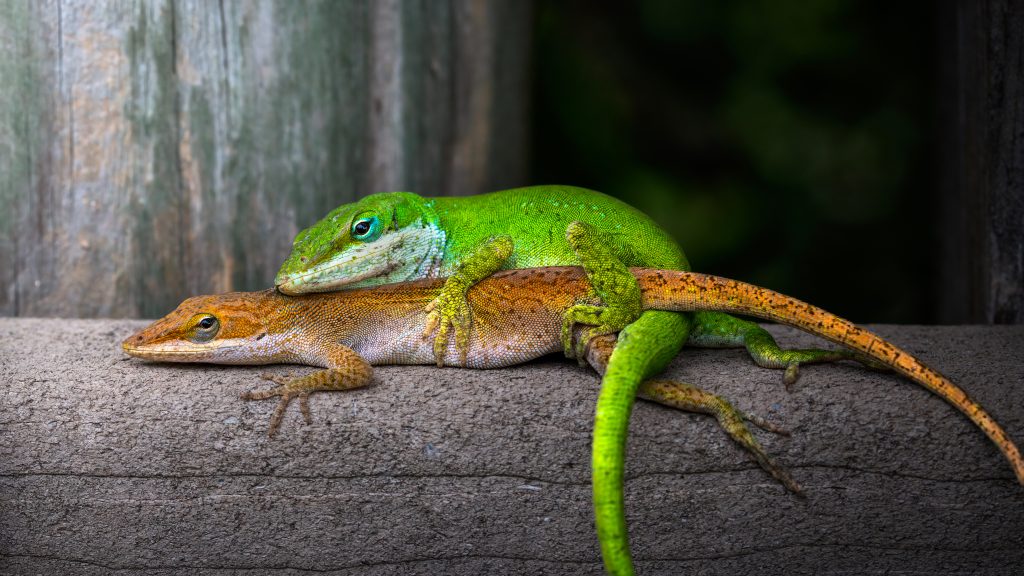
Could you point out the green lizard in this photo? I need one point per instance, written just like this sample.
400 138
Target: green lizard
518 315
399 236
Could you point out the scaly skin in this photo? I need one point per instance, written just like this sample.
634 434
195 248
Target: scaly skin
400 236
465 239
518 316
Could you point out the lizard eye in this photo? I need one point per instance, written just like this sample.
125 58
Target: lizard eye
366 228
204 328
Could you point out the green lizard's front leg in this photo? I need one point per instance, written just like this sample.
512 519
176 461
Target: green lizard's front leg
450 308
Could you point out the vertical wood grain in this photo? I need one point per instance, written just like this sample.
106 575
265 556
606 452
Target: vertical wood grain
154 149
270 128
982 162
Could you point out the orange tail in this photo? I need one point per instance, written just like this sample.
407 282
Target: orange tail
687 291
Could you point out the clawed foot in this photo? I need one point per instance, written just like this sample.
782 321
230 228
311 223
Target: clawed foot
792 373
790 376
731 420
449 310
287 389
602 319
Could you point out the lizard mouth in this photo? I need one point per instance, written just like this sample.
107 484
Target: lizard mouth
330 276
396 257
174 352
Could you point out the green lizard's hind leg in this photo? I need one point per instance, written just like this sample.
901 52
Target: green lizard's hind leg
612 282
689 398
719 330
450 309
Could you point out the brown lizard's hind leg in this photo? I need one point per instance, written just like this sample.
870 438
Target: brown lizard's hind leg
346 370
689 398
692 399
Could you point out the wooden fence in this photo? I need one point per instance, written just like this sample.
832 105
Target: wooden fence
150 150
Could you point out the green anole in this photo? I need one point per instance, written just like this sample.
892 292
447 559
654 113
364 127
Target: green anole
518 315
400 236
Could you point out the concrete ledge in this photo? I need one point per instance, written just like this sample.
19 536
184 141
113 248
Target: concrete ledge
108 463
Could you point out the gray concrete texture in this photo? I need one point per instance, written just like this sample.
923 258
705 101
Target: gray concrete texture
112 464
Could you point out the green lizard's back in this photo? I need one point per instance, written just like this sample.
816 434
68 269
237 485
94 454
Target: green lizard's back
537 217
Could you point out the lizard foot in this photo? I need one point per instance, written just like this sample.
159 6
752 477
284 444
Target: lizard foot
714 329
764 424
792 370
603 319
288 388
450 310
731 419
611 282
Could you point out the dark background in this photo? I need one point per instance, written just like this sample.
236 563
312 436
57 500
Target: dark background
785 143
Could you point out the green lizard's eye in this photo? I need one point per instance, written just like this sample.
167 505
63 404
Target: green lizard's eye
204 327
366 228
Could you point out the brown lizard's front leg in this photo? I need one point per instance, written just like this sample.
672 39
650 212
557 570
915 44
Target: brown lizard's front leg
345 370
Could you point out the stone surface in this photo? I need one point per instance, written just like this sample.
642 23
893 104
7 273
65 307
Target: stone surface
109 463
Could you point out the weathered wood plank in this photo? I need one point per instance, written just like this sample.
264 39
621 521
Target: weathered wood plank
109 463
271 127
982 164
98 107
156 149
17 123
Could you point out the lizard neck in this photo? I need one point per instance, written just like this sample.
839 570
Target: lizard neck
435 242
415 251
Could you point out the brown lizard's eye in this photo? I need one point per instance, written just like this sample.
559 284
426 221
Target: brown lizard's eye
204 328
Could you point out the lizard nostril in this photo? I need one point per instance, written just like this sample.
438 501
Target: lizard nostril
304 259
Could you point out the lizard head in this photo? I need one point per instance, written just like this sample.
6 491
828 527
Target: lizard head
220 329
382 238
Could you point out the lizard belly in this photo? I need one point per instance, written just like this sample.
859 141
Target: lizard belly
516 317
410 348
495 341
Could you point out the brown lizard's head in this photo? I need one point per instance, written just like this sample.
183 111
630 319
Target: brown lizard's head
222 329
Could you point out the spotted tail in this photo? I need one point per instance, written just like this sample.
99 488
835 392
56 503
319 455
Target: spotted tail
687 291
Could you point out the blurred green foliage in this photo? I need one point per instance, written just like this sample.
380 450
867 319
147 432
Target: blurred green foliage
782 142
